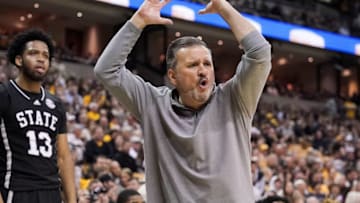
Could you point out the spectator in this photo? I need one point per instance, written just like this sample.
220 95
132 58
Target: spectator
354 195
130 196
112 189
97 146
98 193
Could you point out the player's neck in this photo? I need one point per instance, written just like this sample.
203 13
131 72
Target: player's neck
28 85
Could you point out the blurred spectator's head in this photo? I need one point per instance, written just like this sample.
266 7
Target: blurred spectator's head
126 175
352 174
107 180
272 161
136 142
115 169
83 196
300 185
133 183
102 164
98 133
126 132
104 122
334 189
312 199
130 196
96 190
77 130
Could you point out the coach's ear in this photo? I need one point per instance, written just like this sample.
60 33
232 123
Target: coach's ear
172 76
18 60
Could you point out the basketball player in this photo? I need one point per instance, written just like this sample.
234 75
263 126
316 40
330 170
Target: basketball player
33 143
197 135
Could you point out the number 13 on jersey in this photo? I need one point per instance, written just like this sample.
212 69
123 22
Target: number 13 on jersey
34 143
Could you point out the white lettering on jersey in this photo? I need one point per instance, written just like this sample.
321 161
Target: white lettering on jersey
54 119
37 118
47 118
21 119
29 113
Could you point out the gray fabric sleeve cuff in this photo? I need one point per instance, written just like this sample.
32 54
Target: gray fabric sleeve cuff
132 27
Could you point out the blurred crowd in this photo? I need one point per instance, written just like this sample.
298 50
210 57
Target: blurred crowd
340 17
305 155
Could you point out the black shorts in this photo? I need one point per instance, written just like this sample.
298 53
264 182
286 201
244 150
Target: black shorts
35 196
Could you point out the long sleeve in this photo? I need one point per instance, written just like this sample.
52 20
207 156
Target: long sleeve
252 72
110 69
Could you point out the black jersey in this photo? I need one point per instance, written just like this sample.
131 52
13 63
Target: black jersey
29 125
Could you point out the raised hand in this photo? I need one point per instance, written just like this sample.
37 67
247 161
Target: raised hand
149 13
238 24
214 6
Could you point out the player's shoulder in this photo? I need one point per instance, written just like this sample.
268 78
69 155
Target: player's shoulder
4 86
52 98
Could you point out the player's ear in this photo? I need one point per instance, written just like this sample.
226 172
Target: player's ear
172 76
18 60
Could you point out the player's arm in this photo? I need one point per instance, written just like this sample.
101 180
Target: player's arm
66 168
3 105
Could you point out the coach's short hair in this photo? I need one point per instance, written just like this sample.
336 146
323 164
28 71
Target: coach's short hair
179 43
17 45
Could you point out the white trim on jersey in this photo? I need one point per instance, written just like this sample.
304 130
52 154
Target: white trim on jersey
8 154
24 94
10 196
19 90
42 93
